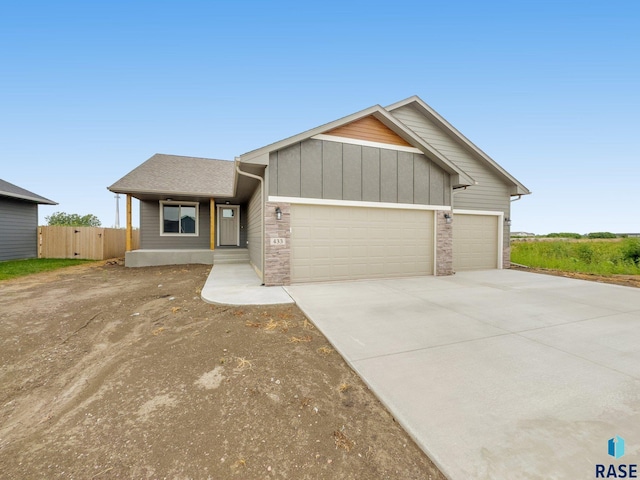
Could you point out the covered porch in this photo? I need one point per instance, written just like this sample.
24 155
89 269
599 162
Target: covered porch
196 208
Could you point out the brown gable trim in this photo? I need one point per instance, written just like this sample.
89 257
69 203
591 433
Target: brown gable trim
370 129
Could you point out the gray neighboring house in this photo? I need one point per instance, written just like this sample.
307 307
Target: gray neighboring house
19 221
384 192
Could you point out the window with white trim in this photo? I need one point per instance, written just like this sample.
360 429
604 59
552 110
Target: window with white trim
179 218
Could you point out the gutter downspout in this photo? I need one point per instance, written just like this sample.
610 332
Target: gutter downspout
519 198
259 178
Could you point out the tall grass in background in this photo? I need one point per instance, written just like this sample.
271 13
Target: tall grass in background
601 258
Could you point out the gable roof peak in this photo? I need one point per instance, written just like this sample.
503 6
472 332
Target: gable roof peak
440 121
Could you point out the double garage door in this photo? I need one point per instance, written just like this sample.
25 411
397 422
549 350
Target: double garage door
348 243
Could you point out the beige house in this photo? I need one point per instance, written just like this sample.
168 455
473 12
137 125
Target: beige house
384 192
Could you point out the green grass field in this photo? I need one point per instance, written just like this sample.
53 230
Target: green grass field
593 256
19 268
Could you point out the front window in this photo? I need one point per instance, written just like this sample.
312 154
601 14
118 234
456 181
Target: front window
179 218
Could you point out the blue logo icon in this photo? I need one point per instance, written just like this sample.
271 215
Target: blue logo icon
616 446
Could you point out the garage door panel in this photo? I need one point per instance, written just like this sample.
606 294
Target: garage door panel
475 242
340 243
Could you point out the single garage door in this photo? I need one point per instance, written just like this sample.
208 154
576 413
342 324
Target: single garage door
475 242
348 243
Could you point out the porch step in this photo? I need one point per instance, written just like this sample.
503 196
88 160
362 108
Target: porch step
230 255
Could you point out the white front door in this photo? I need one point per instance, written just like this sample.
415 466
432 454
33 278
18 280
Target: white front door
228 225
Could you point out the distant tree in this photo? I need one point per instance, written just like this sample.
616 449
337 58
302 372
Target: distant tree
563 235
601 235
72 220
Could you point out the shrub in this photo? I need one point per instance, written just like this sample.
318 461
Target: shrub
602 235
631 250
563 235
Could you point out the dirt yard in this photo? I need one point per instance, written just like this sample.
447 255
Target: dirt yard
624 280
109 372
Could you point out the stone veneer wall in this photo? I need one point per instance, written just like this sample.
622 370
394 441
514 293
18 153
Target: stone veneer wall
506 248
444 244
277 264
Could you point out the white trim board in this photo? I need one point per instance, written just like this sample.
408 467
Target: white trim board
478 212
367 143
354 203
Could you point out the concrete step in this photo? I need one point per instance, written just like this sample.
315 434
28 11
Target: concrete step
232 255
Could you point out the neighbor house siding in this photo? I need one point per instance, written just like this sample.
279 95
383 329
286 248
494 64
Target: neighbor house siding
150 237
491 192
254 230
18 229
341 171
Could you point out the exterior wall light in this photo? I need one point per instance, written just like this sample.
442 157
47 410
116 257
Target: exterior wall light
447 218
507 221
278 213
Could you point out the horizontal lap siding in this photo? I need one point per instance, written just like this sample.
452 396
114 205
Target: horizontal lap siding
342 171
18 229
150 237
254 230
491 193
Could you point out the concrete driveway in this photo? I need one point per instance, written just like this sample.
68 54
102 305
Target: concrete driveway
496 374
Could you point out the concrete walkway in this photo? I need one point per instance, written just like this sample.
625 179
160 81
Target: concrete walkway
496 374
238 284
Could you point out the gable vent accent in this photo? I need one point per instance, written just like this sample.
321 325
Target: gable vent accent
370 129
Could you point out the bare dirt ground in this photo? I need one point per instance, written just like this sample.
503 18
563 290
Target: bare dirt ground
109 372
625 280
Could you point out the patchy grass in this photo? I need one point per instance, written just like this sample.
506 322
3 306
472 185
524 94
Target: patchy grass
20 268
594 257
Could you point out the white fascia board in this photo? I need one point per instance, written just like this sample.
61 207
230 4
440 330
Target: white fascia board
477 212
250 157
262 159
19 196
430 112
353 203
367 143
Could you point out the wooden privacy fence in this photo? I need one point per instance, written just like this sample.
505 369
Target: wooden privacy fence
92 243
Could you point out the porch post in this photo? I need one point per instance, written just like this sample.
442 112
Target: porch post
129 235
212 228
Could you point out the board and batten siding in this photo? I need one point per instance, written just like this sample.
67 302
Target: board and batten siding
151 239
491 192
254 230
18 229
343 171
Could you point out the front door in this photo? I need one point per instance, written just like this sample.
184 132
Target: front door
228 225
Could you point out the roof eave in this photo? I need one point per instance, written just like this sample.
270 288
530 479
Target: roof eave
407 134
38 199
264 151
261 155
133 191
430 112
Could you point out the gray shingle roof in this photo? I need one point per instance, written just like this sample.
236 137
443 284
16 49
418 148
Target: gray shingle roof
10 190
177 175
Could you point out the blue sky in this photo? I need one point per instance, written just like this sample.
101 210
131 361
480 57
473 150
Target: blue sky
550 90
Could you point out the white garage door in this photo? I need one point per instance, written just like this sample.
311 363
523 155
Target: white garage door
475 242
347 243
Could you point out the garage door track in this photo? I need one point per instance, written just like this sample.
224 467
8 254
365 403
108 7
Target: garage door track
496 374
